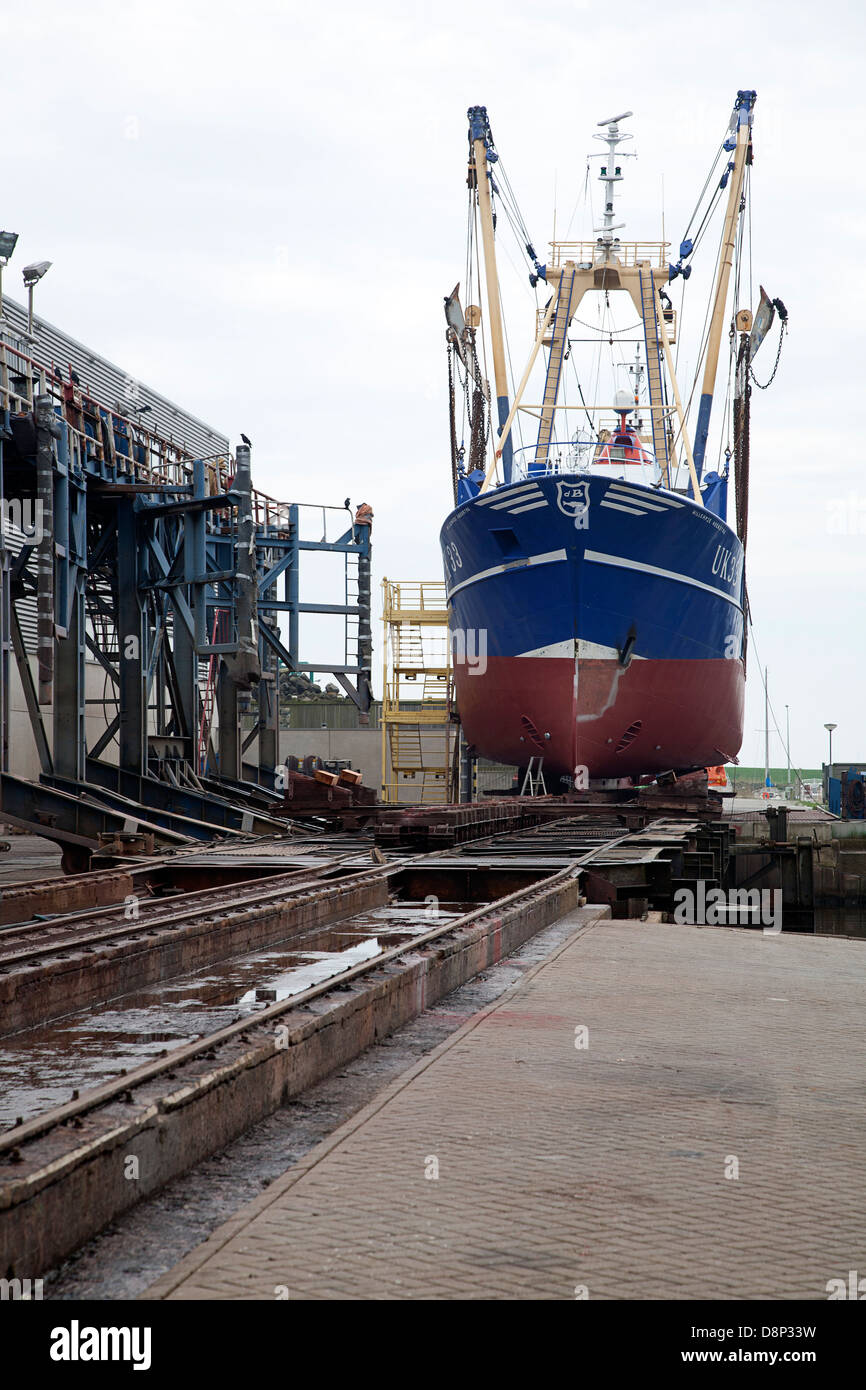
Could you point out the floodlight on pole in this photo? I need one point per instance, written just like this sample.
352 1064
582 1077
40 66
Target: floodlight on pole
32 275
8 242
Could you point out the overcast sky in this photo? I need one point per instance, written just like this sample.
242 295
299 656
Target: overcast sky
257 210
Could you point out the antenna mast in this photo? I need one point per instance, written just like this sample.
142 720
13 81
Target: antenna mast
611 174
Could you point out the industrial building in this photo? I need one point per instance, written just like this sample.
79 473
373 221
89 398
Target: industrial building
151 595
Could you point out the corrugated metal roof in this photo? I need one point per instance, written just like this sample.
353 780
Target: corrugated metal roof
108 384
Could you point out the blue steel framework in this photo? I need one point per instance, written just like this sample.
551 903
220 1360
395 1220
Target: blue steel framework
136 545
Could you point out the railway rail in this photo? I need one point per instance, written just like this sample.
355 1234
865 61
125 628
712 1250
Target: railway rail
61 1167
155 913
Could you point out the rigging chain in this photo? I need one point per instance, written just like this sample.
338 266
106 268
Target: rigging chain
451 406
762 386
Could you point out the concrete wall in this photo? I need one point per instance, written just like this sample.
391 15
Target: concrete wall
23 758
361 747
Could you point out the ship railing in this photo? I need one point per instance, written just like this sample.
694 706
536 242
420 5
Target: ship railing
326 524
423 601
130 451
628 253
670 318
523 463
576 457
579 459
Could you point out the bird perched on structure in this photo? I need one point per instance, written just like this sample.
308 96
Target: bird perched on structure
246 441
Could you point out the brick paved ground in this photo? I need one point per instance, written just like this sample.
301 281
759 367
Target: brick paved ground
602 1167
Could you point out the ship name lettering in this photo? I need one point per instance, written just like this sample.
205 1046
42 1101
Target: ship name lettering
725 564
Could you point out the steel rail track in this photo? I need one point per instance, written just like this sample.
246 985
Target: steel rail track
143 925
123 1085
153 907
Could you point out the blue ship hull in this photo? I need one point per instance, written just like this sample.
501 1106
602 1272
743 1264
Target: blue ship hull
598 624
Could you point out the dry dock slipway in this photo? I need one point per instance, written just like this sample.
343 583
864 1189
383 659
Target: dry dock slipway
264 1035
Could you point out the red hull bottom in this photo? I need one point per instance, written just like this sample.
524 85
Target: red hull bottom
615 722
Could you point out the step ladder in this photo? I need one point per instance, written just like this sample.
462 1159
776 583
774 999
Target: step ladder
353 620
533 780
556 358
649 311
418 731
409 651
208 699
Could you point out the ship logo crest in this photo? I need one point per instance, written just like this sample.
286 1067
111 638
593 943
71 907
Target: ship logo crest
573 498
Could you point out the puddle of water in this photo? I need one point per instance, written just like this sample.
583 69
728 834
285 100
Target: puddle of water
324 965
39 1068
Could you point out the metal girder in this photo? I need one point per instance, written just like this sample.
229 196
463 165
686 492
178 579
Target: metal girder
183 802
353 694
71 817
192 504
101 658
25 675
105 738
192 828
276 645
181 606
130 642
274 573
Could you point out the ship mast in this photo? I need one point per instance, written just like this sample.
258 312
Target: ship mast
741 121
610 175
482 154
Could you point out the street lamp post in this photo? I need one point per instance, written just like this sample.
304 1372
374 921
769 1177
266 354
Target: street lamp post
830 728
766 730
32 275
8 242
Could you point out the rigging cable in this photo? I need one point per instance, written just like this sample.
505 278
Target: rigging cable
516 422
580 393
709 178
733 355
452 419
704 339
581 198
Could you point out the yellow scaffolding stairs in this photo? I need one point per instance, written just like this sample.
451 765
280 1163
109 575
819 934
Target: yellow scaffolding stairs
648 309
558 348
418 734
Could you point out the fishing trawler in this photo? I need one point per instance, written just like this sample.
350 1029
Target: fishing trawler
596 591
